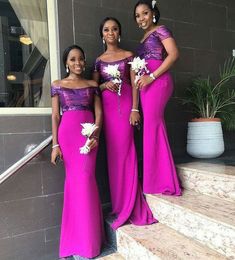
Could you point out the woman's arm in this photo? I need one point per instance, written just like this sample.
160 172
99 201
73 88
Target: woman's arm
106 85
134 113
96 77
55 125
98 121
98 113
172 55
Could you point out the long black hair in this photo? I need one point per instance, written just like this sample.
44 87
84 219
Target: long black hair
110 19
149 4
67 51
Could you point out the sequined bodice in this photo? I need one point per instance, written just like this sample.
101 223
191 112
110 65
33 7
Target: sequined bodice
75 99
152 47
123 67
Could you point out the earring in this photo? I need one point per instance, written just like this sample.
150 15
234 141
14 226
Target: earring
119 39
84 69
103 41
67 68
154 19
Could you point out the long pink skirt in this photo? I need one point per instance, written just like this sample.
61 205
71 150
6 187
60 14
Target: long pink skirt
159 173
128 203
82 230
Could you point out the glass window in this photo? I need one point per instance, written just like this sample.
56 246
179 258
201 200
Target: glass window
24 54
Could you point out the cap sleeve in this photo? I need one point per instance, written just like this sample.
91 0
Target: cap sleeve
54 91
96 66
164 33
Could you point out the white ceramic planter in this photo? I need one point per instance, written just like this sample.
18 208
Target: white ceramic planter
205 139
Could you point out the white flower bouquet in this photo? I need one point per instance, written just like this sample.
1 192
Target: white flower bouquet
139 66
113 71
87 130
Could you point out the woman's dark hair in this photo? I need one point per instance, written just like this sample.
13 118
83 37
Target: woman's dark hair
110 19
149 4
67 51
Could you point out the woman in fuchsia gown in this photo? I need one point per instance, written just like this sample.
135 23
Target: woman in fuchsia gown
159 50
82 230
120 113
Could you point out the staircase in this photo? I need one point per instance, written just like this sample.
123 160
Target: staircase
198 225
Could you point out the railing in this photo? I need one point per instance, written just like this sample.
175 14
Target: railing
28 157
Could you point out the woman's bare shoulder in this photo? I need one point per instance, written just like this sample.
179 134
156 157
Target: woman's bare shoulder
56 83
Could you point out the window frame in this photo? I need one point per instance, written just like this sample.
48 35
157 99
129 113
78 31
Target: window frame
53 37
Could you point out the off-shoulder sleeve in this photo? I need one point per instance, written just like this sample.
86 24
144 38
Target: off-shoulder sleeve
164 33
96 66
54 91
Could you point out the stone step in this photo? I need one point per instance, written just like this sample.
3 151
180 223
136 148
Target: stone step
203 218
215 180
158 241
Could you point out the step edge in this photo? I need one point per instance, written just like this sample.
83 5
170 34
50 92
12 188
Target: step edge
194 170
190 210
182 237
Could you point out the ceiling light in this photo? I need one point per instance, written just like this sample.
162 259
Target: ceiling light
25 39
11 77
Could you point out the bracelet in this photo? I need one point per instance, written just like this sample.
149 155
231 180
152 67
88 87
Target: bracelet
152 76
55 145
134 110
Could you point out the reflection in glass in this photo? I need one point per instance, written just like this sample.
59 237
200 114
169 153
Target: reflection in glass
24 54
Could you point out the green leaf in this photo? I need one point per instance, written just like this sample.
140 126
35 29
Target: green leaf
207 99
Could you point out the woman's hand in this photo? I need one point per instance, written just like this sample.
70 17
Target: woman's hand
94 141
135 118
144 81
111 86
56 152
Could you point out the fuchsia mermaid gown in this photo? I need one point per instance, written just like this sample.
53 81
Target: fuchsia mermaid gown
159 174
82 230
128 203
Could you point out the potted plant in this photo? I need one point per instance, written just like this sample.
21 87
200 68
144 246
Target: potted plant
211 103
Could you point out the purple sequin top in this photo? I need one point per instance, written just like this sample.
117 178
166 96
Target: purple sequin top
152 47
124 69
75 99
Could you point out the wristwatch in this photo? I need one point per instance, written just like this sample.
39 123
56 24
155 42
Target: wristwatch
152 76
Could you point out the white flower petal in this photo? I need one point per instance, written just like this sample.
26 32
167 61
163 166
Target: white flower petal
88 129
